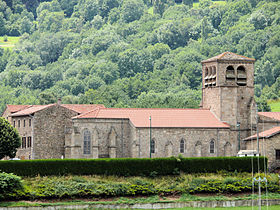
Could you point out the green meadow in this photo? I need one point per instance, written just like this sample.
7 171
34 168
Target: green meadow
10 43
274 105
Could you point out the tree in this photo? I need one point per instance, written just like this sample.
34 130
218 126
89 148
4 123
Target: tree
132 10
9 139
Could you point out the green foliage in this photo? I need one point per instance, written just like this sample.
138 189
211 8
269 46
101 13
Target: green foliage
64 187
9 184
128 166
9 139
123 55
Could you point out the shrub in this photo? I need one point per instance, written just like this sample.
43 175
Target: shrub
9 183
127 166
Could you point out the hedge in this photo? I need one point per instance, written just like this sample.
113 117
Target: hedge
130 166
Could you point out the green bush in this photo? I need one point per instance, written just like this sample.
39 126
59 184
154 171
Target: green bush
9 184
128 166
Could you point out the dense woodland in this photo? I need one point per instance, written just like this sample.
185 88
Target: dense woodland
132 53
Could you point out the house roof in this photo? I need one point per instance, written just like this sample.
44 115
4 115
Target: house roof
160 117
79 108
228 56
31 110
273 115
82 108
16 108
265 134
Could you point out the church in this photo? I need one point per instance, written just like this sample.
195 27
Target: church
225 123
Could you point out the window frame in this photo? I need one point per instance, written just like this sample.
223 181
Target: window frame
87 142
182 146
23 141
212 146
153 146
277 154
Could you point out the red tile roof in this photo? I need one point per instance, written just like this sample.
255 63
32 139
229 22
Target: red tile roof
266 134
273 115
31 110
139 117
82 108
79 108
16 108
228 56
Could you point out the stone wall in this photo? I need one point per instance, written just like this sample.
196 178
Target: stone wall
6 115
265 123
49 131
24 126
109 138
197 142
129 141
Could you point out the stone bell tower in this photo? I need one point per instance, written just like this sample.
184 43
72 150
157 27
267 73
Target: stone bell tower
228 90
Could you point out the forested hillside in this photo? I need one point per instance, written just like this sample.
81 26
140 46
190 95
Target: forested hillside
131 53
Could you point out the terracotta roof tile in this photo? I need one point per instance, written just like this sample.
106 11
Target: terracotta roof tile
273 115
265 134
82 108
31 110
16 108
228 56
139 117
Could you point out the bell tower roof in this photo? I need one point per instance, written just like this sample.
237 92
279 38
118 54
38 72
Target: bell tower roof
228 56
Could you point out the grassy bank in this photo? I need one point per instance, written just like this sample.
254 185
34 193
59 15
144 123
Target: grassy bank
10 43
185 187
274 105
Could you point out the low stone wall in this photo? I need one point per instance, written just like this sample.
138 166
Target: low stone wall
162 205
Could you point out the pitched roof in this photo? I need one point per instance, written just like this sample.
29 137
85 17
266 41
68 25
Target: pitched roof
163 117
31 110
82 108
79 108
228 56
265 134
16 108
273 115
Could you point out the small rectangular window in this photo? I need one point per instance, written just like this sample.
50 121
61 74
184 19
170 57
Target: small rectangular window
19 123
277 154
23 144
14 123
29 122
23 123
29 141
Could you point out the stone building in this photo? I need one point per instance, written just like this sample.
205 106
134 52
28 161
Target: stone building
269 145
42 127
227 115
129 132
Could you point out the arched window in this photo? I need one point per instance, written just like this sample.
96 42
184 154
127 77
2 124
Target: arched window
206 72
153 146
212 146
182 146
241 76
230 74
87 141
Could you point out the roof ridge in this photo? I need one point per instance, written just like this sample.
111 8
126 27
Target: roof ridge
133 108
96 109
